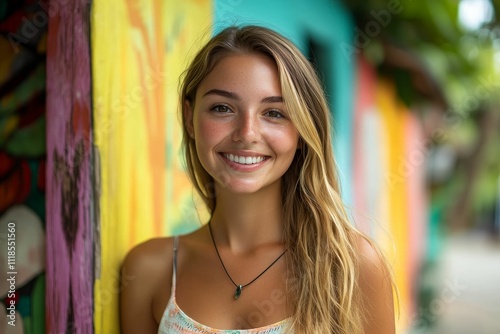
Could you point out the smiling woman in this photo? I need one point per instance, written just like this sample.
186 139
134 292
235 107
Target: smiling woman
278 254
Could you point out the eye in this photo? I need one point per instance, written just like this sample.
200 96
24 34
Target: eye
221 108
275 113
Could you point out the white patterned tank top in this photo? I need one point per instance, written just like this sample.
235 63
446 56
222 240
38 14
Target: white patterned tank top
175 321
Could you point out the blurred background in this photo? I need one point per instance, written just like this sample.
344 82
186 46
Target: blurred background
90 162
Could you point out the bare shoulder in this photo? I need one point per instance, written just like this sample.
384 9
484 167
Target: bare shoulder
370 257
149 257
375 283
145 272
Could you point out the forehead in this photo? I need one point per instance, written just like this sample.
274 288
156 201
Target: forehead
254 74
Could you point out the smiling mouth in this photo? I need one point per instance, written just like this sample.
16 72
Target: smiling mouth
244 160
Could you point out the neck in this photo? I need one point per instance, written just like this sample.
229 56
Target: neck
245 222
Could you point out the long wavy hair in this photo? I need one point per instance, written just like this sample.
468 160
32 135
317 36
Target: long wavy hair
321 241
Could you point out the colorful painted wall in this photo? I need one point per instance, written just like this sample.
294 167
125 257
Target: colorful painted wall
114 174
23 35
390 198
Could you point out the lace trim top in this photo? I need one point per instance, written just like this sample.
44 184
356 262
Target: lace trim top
175 321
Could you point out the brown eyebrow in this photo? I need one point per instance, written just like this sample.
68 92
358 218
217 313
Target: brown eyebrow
223 93
272 99
234 96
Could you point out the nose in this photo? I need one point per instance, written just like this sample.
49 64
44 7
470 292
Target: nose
247 128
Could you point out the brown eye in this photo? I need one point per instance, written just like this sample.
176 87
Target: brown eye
221 108
275 114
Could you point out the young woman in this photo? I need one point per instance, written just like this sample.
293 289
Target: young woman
278 254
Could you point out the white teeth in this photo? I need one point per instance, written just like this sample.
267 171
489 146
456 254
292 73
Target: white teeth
244 160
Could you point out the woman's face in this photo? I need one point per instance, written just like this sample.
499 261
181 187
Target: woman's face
244 137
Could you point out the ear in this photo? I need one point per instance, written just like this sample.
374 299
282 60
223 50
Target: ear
188 118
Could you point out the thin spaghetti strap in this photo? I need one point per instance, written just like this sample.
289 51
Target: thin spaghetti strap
176 247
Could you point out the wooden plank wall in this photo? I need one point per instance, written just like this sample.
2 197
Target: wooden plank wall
70 229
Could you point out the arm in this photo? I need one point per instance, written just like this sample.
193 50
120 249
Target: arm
141 272
376 286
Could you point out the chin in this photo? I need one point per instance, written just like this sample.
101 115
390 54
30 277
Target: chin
249 188
242 190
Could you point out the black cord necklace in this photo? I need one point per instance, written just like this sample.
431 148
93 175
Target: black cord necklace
239 287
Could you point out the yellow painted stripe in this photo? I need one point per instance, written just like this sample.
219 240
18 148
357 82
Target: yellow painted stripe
138 51
395 193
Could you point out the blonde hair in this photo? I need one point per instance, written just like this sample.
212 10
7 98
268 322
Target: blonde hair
321 241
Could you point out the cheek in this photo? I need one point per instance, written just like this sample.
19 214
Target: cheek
285 141
206 131
209 135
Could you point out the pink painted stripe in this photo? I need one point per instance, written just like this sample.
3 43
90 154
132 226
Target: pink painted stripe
69 191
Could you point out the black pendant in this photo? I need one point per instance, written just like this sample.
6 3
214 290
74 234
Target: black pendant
237 293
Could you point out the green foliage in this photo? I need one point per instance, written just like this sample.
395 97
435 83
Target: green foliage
462 62
431 30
